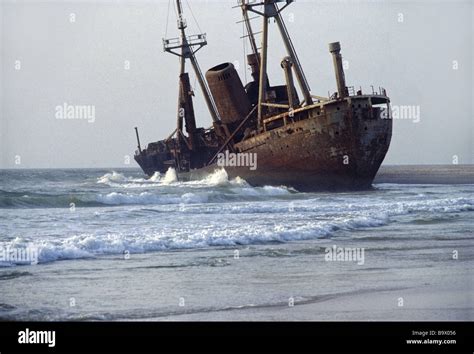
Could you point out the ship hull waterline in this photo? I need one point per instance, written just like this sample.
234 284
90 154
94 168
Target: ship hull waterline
338 145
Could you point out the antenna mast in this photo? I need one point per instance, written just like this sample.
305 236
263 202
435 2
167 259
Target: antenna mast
248 26
187 44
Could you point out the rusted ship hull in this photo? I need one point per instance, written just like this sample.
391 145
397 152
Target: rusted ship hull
342 148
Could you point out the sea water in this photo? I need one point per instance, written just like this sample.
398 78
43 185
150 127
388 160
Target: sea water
111 245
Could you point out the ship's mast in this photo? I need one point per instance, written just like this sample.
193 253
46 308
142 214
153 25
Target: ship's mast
292 53
187 45
269 9
249 28
262 83
182 60
181 26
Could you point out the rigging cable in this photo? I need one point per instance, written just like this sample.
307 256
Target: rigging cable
175 10
244 66
194 87
167 19
194 18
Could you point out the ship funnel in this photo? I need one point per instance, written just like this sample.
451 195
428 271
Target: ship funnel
228 91
335 49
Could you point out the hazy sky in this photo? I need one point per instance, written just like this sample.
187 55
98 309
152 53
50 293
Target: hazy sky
78 52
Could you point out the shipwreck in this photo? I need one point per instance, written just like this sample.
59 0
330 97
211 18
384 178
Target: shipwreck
300 140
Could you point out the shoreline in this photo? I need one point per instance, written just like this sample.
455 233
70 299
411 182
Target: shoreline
426 174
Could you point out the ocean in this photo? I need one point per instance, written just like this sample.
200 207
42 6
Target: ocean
100 244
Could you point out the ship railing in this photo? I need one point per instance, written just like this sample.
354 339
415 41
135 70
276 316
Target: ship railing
197 39
192 40
284 118
171 43
259 2
381 91
352 91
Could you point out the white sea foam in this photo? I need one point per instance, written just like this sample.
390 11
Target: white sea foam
200 231
92 245
216 212
146 198
263 191
113 177
156 177
166 189
218 177
116 179
170 176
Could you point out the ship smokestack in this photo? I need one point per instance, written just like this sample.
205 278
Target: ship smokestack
228 92
335 49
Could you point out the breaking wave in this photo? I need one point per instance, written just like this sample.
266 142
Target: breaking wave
144 198
116 179
113 189
124 212
92 245
308 220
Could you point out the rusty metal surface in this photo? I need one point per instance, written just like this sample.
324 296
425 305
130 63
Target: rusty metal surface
341 148
334 143
228 92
